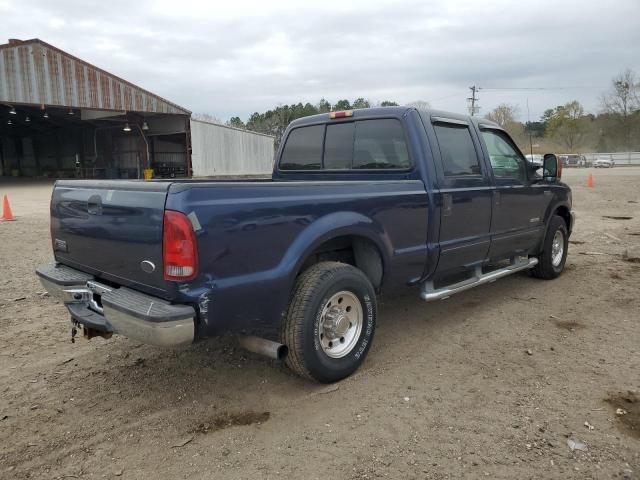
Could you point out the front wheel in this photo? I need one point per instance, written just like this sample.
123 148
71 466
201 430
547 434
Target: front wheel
330 322
554 250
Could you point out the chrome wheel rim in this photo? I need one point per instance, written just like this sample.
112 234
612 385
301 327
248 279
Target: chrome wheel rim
557 248
340 325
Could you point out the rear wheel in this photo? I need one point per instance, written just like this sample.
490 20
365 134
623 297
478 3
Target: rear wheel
330 322
554 251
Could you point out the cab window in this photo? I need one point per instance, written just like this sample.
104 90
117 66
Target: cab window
303 150
355 145
458 154
338 146
506 160
380 144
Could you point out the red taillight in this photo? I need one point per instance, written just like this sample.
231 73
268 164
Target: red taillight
179 247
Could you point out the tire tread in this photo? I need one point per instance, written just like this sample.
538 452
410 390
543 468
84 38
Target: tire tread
303 294
544 269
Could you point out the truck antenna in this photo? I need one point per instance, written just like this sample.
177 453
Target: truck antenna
529 129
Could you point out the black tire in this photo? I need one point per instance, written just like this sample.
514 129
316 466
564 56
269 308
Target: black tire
314 289
545 268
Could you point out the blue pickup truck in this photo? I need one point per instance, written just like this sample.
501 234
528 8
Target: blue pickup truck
360 203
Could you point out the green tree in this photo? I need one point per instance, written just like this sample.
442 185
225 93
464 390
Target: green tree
236 122
342 105
622 103
324 106
569 125
274 122
504 115
548 113
388 103
536 129
361 103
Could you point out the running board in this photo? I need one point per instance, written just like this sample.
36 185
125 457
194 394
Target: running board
429 293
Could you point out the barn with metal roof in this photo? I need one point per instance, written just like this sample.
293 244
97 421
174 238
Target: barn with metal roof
63 117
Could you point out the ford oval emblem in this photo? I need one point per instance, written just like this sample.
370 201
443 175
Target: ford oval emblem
147 266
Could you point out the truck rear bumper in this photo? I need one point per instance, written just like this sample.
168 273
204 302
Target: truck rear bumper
120 310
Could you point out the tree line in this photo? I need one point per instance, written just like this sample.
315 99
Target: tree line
275 121
569 129
565 128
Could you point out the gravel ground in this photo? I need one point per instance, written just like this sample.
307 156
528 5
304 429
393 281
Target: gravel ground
491 383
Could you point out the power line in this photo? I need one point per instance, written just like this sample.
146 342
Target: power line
545 88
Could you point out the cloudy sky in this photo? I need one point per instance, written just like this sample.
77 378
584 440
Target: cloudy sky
235 57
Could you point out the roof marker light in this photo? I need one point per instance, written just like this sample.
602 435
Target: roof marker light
341 114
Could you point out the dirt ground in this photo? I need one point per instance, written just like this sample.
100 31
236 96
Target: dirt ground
491 383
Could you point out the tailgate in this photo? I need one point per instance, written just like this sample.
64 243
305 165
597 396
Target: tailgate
111 229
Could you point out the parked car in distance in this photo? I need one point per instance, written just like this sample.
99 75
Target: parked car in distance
574 160
360 203
534 159
603 161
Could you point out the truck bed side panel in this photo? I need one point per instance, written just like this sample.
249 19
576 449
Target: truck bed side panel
253 238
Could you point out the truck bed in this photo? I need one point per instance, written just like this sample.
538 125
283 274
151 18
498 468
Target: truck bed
248 233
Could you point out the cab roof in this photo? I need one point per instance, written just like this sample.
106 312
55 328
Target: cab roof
377 112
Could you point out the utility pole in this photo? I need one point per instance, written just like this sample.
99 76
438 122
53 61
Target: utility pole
473 109
529 129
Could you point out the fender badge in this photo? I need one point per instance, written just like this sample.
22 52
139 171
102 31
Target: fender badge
147 266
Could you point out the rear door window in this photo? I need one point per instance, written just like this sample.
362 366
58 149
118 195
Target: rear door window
458 154
303 150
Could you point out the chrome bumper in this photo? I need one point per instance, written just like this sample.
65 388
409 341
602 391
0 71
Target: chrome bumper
121 310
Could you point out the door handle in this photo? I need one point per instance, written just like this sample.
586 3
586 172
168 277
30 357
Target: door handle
496 198
547 193
447 204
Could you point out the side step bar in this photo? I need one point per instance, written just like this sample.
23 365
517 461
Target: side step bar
429 293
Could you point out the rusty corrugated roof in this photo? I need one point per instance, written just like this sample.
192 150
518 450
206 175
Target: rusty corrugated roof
34 72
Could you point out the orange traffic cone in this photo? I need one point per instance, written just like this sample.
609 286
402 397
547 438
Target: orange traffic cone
590 181
6 210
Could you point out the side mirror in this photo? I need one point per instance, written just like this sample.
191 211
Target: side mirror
533 168
551 167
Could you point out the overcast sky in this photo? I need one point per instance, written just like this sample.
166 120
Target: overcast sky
234 58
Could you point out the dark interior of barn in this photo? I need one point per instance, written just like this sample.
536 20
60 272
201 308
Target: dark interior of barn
79 143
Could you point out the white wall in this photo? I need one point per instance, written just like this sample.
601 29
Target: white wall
220 150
